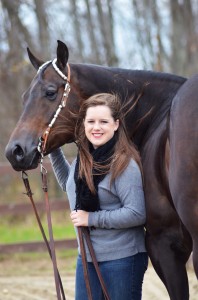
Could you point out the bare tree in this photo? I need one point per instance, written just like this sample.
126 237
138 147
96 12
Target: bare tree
15 73
105 18
95 57
184 38
12 66
77 29
43 29
16 32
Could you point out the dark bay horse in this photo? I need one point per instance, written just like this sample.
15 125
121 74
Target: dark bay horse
171 228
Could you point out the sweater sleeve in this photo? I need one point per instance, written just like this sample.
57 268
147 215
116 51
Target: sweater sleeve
132 212
60 166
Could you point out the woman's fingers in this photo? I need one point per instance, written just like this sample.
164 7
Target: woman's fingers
79 218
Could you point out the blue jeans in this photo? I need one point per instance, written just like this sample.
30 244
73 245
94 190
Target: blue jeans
123 278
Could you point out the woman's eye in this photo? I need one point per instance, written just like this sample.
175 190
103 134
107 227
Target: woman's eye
51 94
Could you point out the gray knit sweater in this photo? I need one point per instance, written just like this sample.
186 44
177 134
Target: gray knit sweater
120 223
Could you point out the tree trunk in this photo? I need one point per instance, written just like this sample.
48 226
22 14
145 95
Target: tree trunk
105 24
43 29
77 29
95 57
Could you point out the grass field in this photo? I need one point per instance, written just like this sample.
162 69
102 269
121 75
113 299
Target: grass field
15 229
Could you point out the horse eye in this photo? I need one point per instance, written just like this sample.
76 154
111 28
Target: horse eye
51 94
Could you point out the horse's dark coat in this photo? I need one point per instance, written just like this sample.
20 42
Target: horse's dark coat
168 242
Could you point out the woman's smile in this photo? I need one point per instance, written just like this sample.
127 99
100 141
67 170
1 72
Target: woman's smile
97 135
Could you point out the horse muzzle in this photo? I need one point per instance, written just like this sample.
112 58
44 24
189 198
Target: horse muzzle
21 157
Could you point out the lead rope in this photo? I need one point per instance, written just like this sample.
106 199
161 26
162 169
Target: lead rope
51 246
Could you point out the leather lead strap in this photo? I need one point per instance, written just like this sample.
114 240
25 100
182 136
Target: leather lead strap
85 231
58 282
52 244
84 261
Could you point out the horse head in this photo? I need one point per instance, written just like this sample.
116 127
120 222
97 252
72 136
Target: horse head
40 103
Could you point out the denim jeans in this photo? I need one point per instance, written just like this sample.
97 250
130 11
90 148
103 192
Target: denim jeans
123 278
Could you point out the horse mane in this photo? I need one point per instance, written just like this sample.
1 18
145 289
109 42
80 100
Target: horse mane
156 106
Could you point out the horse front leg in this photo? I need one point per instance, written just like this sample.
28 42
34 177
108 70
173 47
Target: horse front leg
168 244
183 184
186 202
169 252
184 191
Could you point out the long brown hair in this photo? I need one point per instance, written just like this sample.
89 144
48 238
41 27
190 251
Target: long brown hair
124 148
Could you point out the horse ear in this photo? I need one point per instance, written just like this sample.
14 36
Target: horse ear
62 55
35 61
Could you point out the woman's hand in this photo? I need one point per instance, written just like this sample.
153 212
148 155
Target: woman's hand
79 218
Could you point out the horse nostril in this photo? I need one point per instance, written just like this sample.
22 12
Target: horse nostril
18 153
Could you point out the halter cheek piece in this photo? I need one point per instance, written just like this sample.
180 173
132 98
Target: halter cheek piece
43 139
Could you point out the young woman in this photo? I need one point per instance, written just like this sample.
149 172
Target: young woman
105 192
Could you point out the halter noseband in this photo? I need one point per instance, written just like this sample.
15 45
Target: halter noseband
44 137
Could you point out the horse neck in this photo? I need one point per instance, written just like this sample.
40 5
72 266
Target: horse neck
89 79
153 90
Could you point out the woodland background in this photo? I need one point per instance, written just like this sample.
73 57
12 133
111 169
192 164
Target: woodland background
161 35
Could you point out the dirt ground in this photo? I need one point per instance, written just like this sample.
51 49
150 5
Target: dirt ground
33 280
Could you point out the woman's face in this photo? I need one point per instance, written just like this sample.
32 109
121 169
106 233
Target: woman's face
99 125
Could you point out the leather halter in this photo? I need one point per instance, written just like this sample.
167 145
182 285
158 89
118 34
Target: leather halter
43 139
